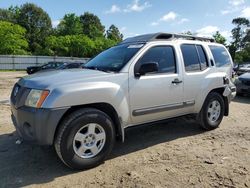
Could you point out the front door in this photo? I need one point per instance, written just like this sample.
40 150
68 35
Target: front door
157 95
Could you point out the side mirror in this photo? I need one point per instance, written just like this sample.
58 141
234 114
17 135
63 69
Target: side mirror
145 68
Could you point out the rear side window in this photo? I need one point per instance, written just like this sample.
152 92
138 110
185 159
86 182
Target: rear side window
202 57
220 55
163 55
194 57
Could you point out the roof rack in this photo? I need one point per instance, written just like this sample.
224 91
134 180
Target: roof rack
164 36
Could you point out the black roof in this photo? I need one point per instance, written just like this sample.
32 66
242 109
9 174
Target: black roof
163 36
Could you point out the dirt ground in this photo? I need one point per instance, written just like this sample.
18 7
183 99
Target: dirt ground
176 153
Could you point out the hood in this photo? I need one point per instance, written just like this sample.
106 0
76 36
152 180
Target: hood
245 76
46 80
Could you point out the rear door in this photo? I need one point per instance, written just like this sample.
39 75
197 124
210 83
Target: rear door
196 68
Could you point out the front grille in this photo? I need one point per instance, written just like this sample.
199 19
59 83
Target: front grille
19 95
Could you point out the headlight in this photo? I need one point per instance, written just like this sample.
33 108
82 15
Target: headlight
36 98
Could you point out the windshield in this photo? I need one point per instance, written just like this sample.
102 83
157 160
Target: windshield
114 58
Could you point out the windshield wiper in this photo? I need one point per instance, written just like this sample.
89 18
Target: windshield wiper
98 68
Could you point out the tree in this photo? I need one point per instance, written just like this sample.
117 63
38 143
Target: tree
92 26
10 15
187 33
12 39
69 45
219 38
238 34
113 33
37 23
70 25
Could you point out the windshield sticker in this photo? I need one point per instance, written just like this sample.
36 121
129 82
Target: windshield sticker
135 46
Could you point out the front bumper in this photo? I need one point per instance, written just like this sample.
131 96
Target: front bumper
36 125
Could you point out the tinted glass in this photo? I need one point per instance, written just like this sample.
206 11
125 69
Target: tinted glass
202 56
191 58
114 58
221 56
163 55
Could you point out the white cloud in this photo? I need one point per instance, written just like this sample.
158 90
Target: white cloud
137 7
210 30
234 6
55 23
236 2
224 12
154 23
245 12
207 31
226 34
113 9
183 20
169 17
123 29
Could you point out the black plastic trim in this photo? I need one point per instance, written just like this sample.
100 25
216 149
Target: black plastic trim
162 108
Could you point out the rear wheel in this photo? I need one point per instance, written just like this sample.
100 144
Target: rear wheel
85 138
212 111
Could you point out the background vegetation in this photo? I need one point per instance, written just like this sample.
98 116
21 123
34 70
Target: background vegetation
28 30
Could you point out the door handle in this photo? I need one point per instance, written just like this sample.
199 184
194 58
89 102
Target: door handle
176 81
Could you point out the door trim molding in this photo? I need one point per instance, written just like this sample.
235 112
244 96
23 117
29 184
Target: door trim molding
162 108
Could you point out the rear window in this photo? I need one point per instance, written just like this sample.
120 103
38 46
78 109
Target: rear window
221 56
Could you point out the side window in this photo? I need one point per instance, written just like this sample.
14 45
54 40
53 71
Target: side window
202 57
191 58
194 57
163 55
220 55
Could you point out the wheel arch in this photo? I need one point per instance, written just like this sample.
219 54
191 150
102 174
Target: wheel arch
104 107
220 90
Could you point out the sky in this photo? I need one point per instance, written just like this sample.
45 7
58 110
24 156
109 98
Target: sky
134 17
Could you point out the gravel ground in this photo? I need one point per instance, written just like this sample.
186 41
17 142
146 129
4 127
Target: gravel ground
175 153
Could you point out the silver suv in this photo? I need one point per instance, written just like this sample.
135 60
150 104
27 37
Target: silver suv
143 79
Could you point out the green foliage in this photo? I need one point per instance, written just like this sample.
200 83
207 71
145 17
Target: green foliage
219 38
30 29
243 55
12 39
187 33
92 26
70 25
76 45
238 35
37 23
113 33
10 15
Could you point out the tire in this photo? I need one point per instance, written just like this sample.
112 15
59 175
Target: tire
212 111
77 126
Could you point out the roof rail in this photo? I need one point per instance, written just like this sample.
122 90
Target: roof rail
164 36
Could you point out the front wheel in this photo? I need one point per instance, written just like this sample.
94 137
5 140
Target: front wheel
85 138
212 111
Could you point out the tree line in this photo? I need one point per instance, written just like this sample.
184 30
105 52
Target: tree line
28 30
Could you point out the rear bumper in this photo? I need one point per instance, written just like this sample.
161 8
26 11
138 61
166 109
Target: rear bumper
230 92
36 125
